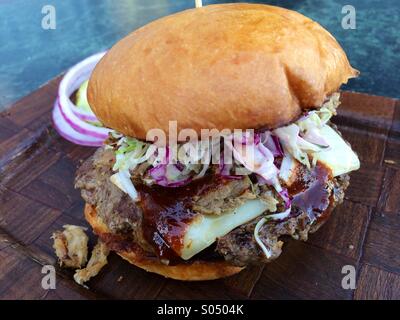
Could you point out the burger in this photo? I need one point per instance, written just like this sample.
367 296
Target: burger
263 82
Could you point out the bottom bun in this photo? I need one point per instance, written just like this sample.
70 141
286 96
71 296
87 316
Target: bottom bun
191 271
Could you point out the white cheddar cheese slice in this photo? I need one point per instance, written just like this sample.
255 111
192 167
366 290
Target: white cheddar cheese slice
340 158
204 229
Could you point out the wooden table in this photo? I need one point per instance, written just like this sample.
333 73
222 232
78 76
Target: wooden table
37 169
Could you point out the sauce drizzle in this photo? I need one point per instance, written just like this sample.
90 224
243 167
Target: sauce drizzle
310 193
167 213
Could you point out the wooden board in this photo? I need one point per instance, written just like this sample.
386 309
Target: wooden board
37 169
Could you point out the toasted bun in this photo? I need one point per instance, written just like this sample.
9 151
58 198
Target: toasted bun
197 270
235 66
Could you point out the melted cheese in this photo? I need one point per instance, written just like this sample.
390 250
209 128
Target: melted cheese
205 230
340 158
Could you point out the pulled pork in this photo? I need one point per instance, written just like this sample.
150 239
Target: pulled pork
97 261
123 216
71 246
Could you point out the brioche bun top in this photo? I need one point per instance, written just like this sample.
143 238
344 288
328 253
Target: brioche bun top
235 66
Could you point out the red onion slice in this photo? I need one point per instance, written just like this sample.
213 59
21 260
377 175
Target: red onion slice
68 133
85 116
71 82
88 129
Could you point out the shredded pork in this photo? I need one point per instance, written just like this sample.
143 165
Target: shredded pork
97 261
71 246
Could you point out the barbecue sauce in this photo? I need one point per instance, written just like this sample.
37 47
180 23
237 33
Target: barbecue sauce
167 213
309 192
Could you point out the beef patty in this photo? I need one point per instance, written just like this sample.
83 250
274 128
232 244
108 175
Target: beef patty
123 216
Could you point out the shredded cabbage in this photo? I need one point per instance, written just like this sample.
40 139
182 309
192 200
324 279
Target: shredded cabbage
275 216
132 152
122 179
252 152
303 138
259 224
288 165
255 157
193 160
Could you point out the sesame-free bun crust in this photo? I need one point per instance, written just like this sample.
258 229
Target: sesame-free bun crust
194 271
235 66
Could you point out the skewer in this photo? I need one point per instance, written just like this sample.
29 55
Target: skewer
199 3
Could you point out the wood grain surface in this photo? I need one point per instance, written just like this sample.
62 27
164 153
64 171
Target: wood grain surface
37 197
